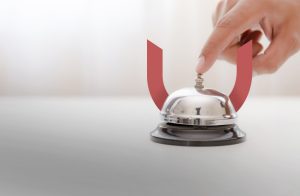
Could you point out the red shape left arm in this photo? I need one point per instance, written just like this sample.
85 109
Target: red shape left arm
240 90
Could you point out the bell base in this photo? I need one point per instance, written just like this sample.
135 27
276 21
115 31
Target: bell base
184 135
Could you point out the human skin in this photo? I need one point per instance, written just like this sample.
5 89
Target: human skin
239 21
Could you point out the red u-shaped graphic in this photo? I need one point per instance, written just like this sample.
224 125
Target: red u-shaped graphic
237 96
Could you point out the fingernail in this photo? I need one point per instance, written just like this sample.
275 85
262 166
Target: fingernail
201 62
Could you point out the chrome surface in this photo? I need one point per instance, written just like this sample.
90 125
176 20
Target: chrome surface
199 82
198 107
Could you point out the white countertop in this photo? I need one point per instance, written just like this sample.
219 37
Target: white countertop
101 146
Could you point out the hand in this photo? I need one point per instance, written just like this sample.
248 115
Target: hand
237 21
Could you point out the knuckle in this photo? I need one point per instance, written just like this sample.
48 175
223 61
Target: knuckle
228 21
224 22
233 19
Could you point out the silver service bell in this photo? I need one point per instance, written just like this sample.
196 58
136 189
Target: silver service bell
198 117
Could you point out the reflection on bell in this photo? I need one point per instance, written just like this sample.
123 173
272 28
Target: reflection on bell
198 117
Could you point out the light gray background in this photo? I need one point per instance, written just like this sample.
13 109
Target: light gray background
79 47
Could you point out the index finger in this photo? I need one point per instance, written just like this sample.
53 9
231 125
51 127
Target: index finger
240 18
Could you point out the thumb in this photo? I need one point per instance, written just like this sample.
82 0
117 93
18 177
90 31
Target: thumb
280 49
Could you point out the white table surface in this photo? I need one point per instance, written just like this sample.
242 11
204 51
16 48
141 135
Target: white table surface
101 146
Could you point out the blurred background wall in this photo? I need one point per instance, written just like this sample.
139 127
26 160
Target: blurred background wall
98 47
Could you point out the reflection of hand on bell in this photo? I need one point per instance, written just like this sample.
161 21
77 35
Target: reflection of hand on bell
236 22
